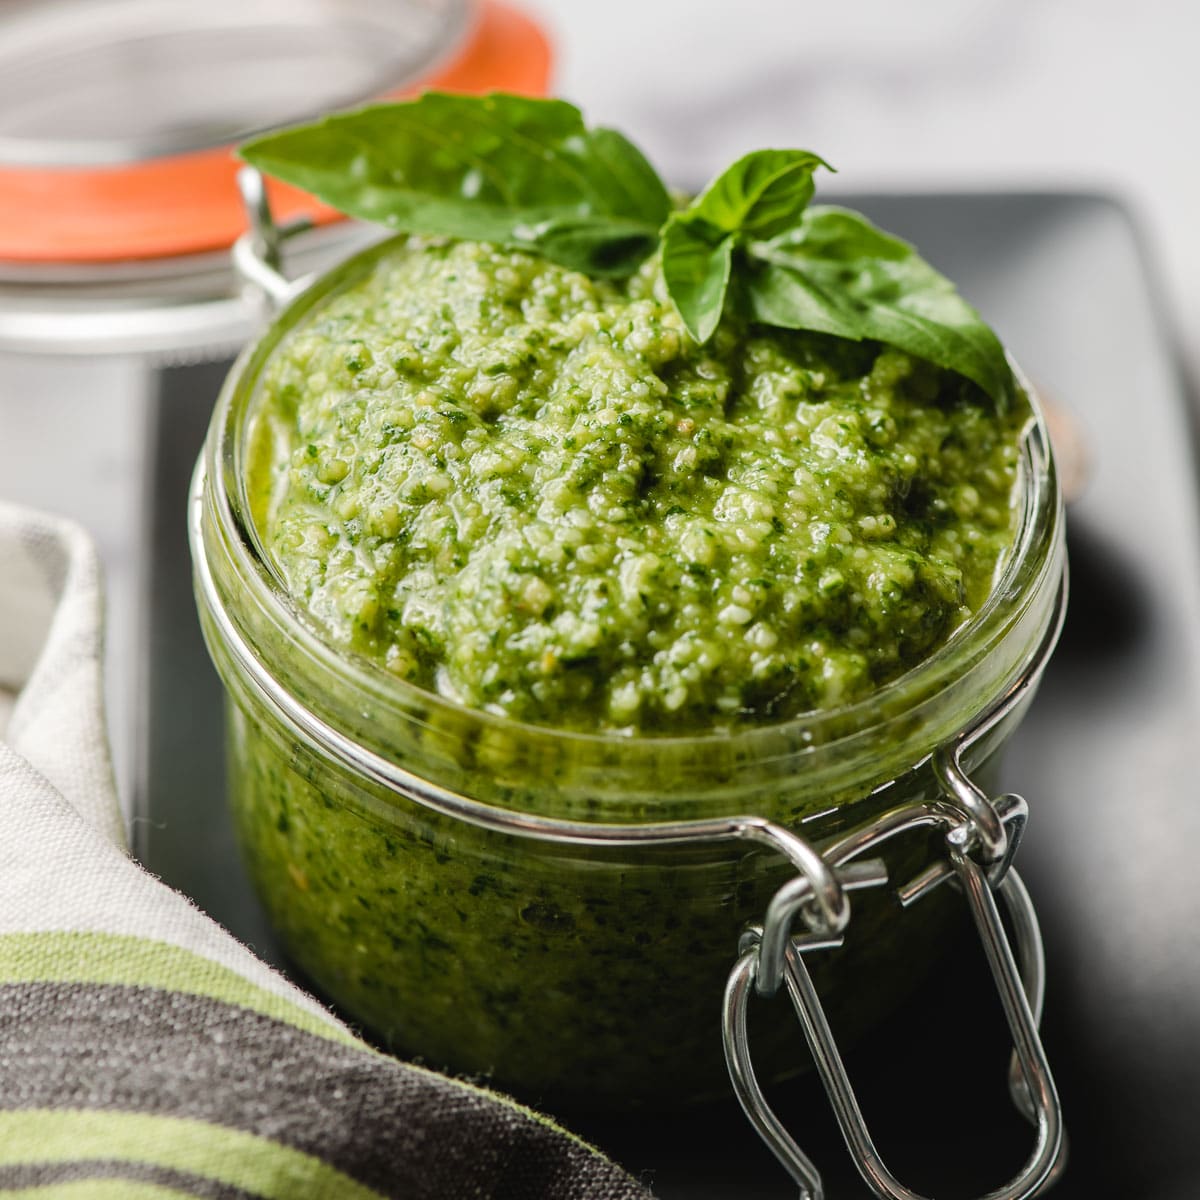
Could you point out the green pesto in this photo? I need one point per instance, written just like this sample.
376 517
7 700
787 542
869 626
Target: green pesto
532 492
578 977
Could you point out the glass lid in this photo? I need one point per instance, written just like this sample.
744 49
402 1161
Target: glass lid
88 83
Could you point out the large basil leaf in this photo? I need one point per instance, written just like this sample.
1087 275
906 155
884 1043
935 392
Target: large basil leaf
505 169
836 273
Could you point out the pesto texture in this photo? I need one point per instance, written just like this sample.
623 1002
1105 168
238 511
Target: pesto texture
534 492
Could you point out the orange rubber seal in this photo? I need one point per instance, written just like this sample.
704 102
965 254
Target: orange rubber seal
190 203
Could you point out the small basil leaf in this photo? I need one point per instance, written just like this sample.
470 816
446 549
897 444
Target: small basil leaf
836 273
696 263
499 168
761 194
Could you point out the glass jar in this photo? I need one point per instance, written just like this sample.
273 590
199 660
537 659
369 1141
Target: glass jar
450 879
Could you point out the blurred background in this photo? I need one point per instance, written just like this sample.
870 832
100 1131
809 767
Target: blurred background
1041 152
932 95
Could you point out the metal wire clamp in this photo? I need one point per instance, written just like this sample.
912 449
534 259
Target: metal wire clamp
258 254
772 956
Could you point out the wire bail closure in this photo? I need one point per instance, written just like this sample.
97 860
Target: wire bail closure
258 254
979 856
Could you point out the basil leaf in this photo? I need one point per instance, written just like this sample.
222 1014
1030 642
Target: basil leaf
696 264
762 194
511 170
836 273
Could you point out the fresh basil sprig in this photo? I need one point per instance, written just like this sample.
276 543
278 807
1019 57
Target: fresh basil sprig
530 174
761 195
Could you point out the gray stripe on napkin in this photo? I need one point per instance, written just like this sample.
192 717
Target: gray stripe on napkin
46 1175
403 1132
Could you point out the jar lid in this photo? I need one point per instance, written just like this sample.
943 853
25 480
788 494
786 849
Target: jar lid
87 84
118 193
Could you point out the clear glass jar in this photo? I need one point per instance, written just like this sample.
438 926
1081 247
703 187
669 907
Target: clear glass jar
568 972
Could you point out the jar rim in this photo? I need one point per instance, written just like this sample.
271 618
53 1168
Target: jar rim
1033 564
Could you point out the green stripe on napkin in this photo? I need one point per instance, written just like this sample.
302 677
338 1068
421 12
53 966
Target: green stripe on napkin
253 1164
96 1189
110 1177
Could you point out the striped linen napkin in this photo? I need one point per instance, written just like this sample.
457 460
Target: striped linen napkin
143 1051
